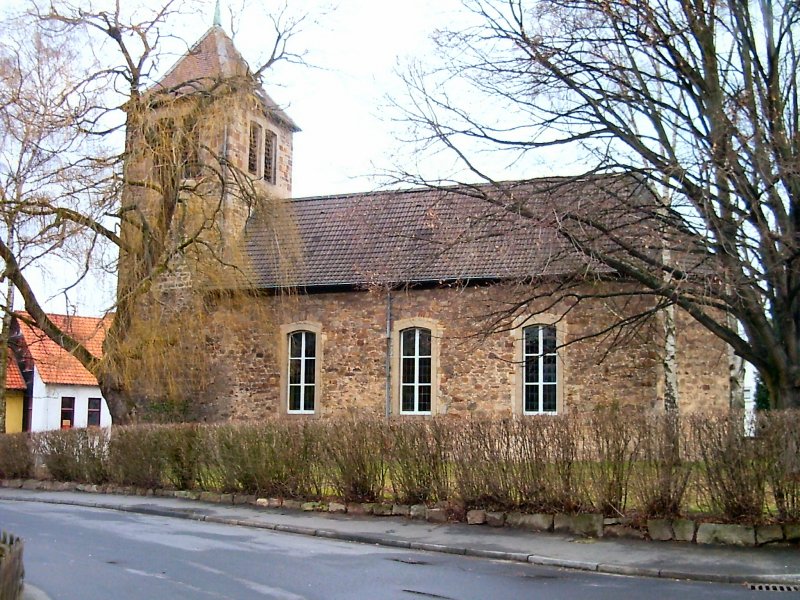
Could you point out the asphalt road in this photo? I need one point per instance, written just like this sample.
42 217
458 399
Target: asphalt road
87 554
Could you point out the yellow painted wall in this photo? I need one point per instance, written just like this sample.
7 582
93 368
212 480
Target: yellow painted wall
13 411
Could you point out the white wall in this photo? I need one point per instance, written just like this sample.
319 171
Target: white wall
46 404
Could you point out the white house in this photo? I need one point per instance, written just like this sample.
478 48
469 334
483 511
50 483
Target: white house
61 393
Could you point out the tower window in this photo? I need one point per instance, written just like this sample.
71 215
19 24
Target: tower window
270 154
254 148
190 152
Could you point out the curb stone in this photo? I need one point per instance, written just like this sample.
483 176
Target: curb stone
547 561
30 592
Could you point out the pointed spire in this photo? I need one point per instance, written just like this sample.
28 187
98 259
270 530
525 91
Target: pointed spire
217 17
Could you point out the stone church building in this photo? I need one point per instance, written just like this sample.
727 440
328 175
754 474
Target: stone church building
413 302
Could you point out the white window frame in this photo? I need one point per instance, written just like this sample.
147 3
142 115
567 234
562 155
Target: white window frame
284 349
539 357
437 334
416 384
303 384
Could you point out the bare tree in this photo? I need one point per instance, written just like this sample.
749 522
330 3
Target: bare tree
109 164
696 99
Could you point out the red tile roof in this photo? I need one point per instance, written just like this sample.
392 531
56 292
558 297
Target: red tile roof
56 365
432 235
214 57
14 380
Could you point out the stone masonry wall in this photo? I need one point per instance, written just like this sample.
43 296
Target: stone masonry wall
703 369
239 141
477 374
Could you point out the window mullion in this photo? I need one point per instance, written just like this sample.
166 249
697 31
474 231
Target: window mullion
540 383
416 370
303 377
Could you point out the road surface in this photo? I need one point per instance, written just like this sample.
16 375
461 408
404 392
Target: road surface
76 553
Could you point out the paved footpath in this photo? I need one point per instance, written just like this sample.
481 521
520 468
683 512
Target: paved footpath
764 565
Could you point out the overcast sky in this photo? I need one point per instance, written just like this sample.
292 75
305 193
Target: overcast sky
354 49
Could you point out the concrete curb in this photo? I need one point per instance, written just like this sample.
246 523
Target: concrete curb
30 592
545 561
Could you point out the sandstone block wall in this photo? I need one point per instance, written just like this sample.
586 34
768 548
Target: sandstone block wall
477 373
703 367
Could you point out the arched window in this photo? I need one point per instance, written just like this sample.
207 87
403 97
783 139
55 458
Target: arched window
302 346
416 389
540 369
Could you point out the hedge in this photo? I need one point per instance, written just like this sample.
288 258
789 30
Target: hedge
614 461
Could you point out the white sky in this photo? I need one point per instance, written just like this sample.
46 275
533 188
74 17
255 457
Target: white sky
339 102
355 48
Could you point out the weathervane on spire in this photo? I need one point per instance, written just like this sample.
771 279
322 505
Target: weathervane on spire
217 17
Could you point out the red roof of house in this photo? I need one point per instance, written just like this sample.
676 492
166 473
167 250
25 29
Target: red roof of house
14 380
56 365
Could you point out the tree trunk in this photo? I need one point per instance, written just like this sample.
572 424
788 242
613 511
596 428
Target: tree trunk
784 390
736 365
669 363
120 404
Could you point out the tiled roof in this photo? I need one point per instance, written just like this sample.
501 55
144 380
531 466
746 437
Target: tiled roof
215 57
14 380
56 365
429 235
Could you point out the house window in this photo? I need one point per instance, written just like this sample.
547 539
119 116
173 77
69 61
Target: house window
67 412
270 153
302 371
254 149
93 413
540 369
416 389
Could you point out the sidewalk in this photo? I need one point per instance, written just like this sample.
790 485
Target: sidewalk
764 565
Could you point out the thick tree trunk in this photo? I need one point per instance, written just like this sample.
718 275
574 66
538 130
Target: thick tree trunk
119 401
784 389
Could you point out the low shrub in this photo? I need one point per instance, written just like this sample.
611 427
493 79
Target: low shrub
420 453
602 461
184 455
139 456
75 454
531 473
16 456
778 433
612 443
662 474
481 459
272 458
354 453
566 489
731 471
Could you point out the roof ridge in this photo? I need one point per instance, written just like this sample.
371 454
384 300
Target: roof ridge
52 314
193 49
454 186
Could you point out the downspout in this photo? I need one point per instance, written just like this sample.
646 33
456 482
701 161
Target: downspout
224 165
388 353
